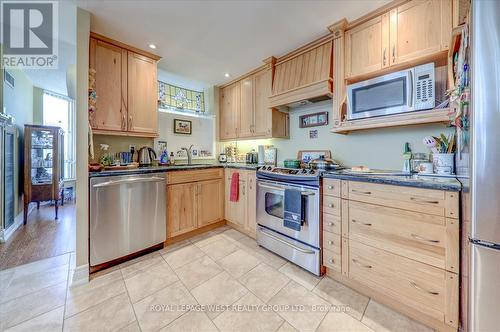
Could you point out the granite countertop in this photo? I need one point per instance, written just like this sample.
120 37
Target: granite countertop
159 169
417 181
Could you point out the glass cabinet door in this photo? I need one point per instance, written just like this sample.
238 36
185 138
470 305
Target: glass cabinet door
42 155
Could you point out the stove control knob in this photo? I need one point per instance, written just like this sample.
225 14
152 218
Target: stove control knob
269 168
312 172
304 171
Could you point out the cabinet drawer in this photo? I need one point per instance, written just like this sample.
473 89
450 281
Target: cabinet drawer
428 289
423 237
436 202
331 205
332 223
331 187
331 242
332 260
194 175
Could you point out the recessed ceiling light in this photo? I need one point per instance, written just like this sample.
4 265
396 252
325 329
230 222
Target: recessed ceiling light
153 46
226 75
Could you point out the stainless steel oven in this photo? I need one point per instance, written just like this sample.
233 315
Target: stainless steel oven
400 92
301 247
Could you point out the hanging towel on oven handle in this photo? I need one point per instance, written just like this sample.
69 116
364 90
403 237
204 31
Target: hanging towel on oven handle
293 217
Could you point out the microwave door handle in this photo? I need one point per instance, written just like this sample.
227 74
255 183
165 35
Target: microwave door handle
410 88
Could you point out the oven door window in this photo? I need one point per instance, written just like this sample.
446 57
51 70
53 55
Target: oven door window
274 204
378 96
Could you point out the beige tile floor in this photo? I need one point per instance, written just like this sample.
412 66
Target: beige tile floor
218 281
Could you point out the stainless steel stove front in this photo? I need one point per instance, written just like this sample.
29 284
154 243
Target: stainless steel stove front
300 247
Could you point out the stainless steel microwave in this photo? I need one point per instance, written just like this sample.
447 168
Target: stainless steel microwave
400 92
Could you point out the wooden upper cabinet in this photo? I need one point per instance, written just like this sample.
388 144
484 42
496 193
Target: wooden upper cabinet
247 114
126 88
110 64
409 33
229 111
142 94
419 28
263 113
367 47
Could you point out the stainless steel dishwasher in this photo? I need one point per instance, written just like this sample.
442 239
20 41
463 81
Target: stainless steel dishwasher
127 215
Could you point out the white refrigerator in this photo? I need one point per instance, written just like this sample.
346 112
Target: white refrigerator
484 304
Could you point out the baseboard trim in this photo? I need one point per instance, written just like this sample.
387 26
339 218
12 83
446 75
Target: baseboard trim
80 275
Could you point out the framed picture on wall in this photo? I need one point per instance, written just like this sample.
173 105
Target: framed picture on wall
183 127
313 120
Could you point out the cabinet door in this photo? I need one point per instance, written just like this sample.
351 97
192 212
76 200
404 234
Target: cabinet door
419 28
110 65
142 94
229 111
262 88
181 216
247 107
251 196
367 47
210 202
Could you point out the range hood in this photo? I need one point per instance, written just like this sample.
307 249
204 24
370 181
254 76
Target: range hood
304 76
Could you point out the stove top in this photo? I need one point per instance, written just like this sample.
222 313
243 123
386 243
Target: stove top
292 172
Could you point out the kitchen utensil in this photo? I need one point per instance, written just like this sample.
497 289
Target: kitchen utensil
431 143
145 156
324 163
252 157
291 163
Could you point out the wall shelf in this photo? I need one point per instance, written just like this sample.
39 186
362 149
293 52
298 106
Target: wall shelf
421 117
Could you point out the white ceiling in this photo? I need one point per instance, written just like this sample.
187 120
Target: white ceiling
203 40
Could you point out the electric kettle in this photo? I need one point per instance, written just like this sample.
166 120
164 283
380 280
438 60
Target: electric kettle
145 156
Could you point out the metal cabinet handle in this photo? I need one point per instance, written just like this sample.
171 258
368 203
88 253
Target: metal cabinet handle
331 205
394 53
415 236
331 261
285 242
130 122
330 242
355 261
331 224
362 223
422 289
331 187
384 55
128 181
423 201
361 192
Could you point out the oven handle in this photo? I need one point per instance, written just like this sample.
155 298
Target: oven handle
303 193
305 251
410 87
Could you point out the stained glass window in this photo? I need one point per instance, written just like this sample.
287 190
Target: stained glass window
174 97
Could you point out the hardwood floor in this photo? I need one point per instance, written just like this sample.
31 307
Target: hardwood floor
42 237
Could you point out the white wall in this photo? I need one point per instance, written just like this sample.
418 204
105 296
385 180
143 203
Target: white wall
82 189
377 148
203 132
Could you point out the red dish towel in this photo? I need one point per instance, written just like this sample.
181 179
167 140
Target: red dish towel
235 186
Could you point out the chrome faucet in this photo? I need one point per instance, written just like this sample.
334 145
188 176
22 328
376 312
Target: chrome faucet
189 155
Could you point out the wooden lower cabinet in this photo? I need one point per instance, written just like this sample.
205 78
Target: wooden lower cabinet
209 196
398 245
242 214
181 216
192 205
